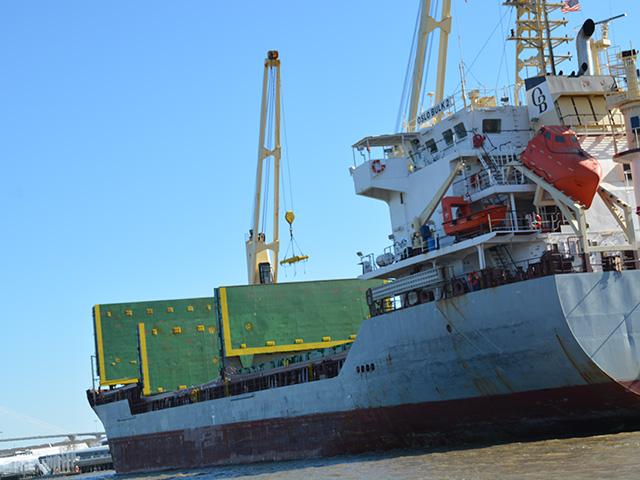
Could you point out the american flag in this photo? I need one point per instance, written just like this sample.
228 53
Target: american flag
571 6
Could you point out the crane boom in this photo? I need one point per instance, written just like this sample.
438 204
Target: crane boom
427 25
262 257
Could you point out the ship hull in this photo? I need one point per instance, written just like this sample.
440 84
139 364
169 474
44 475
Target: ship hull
515 417
555 355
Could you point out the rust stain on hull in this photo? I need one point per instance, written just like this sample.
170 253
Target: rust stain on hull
586 375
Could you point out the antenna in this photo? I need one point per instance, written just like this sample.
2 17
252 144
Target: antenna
622 15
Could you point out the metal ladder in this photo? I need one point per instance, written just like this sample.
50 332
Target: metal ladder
495 175
504 261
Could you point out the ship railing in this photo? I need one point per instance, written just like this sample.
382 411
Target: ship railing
518 224
397 252
613 62
529 223
230 385
550 263
609 125
492 177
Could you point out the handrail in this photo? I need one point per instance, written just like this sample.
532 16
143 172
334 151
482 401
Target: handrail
550 223
550 263
228 386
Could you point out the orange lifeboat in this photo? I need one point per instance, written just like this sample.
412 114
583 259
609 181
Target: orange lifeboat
555 154
466 220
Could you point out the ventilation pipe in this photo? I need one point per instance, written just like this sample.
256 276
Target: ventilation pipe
583 48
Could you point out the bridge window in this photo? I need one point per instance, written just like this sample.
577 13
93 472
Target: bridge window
491 125
635 124
431 145
461 130
448 136
559 139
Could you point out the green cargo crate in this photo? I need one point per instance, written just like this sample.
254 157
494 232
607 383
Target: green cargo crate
116 335
287 317
177 354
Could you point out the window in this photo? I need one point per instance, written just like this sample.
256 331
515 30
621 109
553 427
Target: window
461 130
491 125
547 135
448 136
635 123
559 139
431 145
626 168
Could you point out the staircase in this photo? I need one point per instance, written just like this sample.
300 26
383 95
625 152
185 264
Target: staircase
501 257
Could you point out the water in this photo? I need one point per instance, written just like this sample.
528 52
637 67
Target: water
606 456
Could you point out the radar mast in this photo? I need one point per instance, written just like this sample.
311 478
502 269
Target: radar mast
535 39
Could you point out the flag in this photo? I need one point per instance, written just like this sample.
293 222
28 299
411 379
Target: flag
571 6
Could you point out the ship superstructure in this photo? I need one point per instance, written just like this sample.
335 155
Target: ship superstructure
511 298
464 196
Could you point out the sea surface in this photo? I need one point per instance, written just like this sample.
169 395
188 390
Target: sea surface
599 457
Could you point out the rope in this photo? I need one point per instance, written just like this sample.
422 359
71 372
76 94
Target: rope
286 155
402 111
434 11
503 61
270 145
475 59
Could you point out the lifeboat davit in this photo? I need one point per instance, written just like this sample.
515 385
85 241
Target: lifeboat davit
466 220
555 154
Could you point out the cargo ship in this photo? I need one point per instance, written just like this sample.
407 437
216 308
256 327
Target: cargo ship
507 307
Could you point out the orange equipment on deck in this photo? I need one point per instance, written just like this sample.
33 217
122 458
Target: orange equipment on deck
466 220
555 154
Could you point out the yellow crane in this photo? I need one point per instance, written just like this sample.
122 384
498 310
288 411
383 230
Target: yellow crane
262 255
428 24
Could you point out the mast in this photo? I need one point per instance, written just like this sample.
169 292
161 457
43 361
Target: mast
427 25
535 40
262 257
443 47
552 60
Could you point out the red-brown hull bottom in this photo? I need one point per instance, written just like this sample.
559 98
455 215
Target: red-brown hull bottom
567 411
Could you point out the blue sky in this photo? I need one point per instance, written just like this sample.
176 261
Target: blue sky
128 139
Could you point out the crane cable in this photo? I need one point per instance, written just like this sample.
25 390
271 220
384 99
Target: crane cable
270 145
434 11
291 256
404 98
406 88
285 183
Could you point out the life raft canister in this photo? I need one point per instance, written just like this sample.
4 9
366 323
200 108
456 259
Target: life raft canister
478 140
377 167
